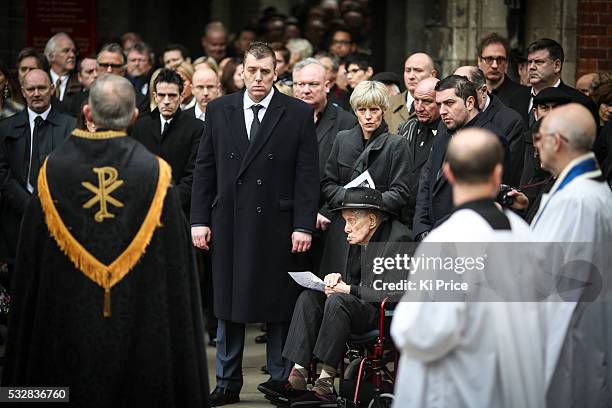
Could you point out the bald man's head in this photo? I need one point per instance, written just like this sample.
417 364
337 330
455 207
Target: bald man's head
425 106
205 86
37 90
575 123
416 68
585 83
474 155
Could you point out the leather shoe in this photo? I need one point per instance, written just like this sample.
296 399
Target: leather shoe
264 369
261 339
280 390
223 396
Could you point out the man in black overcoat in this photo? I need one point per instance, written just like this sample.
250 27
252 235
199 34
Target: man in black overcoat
24 143
171 134
254 204
105 297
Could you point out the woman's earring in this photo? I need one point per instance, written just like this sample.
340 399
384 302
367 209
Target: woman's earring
7 92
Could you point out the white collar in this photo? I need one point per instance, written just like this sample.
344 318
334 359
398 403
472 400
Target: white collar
198 111
409 100
570 166
55 76
32 115
164 120
487 102
555 85
265 102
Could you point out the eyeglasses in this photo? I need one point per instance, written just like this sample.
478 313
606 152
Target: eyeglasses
489 60
538 136
107 65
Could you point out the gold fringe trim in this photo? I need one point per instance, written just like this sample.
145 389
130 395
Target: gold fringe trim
104 275
107 134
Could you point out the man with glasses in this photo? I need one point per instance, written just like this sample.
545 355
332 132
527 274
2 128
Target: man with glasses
341 43
25 140
576 209
493 53
358 68
545 61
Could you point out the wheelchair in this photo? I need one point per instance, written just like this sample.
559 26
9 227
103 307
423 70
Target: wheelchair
364 376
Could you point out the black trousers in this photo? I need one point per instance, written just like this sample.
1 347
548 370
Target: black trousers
321 326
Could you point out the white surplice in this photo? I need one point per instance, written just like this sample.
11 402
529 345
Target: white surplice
471 354
577 345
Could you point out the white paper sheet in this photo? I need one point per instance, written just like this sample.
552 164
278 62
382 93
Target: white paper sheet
363 180
308 280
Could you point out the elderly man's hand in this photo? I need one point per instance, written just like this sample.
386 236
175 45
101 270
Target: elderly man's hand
201 236
300 241
520 200
332 279
322 222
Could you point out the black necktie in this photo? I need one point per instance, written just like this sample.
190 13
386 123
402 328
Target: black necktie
35 159
165 129
255 124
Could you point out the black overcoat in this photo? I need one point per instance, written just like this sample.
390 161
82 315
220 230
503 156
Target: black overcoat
253 196
388 162
178 146
14 164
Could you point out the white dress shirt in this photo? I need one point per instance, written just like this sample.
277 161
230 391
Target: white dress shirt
248 112
64 79
163 122
31 117
199 114
409 101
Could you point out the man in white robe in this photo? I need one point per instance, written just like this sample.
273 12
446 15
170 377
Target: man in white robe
578 209
468 353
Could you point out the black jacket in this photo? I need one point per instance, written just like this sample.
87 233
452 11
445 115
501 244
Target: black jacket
520 101
254 196
505 91
333 119
14 164
420 139
386 157
434 201
178 146
511 126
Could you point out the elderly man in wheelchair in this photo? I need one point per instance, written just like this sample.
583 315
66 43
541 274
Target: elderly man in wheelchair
322 322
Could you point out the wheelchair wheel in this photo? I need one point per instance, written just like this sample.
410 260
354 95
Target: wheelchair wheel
382 401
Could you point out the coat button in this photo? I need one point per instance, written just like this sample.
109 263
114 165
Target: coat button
232 155
258 209
239 181
259 183
271 156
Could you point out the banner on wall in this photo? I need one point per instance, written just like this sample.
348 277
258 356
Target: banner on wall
43 18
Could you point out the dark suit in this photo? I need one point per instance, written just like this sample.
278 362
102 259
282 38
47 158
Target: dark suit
434 201
520 101
387 159
511 126
505 91
178 146
14 165
253 196
73 97
321 325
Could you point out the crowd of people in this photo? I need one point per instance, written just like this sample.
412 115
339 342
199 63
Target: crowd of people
146 203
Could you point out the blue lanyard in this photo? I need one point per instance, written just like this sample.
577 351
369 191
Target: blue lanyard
583 167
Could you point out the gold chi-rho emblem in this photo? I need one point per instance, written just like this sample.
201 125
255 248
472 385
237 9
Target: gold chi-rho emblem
107 183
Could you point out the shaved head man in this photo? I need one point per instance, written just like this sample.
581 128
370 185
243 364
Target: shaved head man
420 131
205 86
416 68
585 83
566 133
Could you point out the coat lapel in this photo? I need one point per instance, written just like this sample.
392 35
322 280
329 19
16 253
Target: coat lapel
327 122
234 115
273 114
